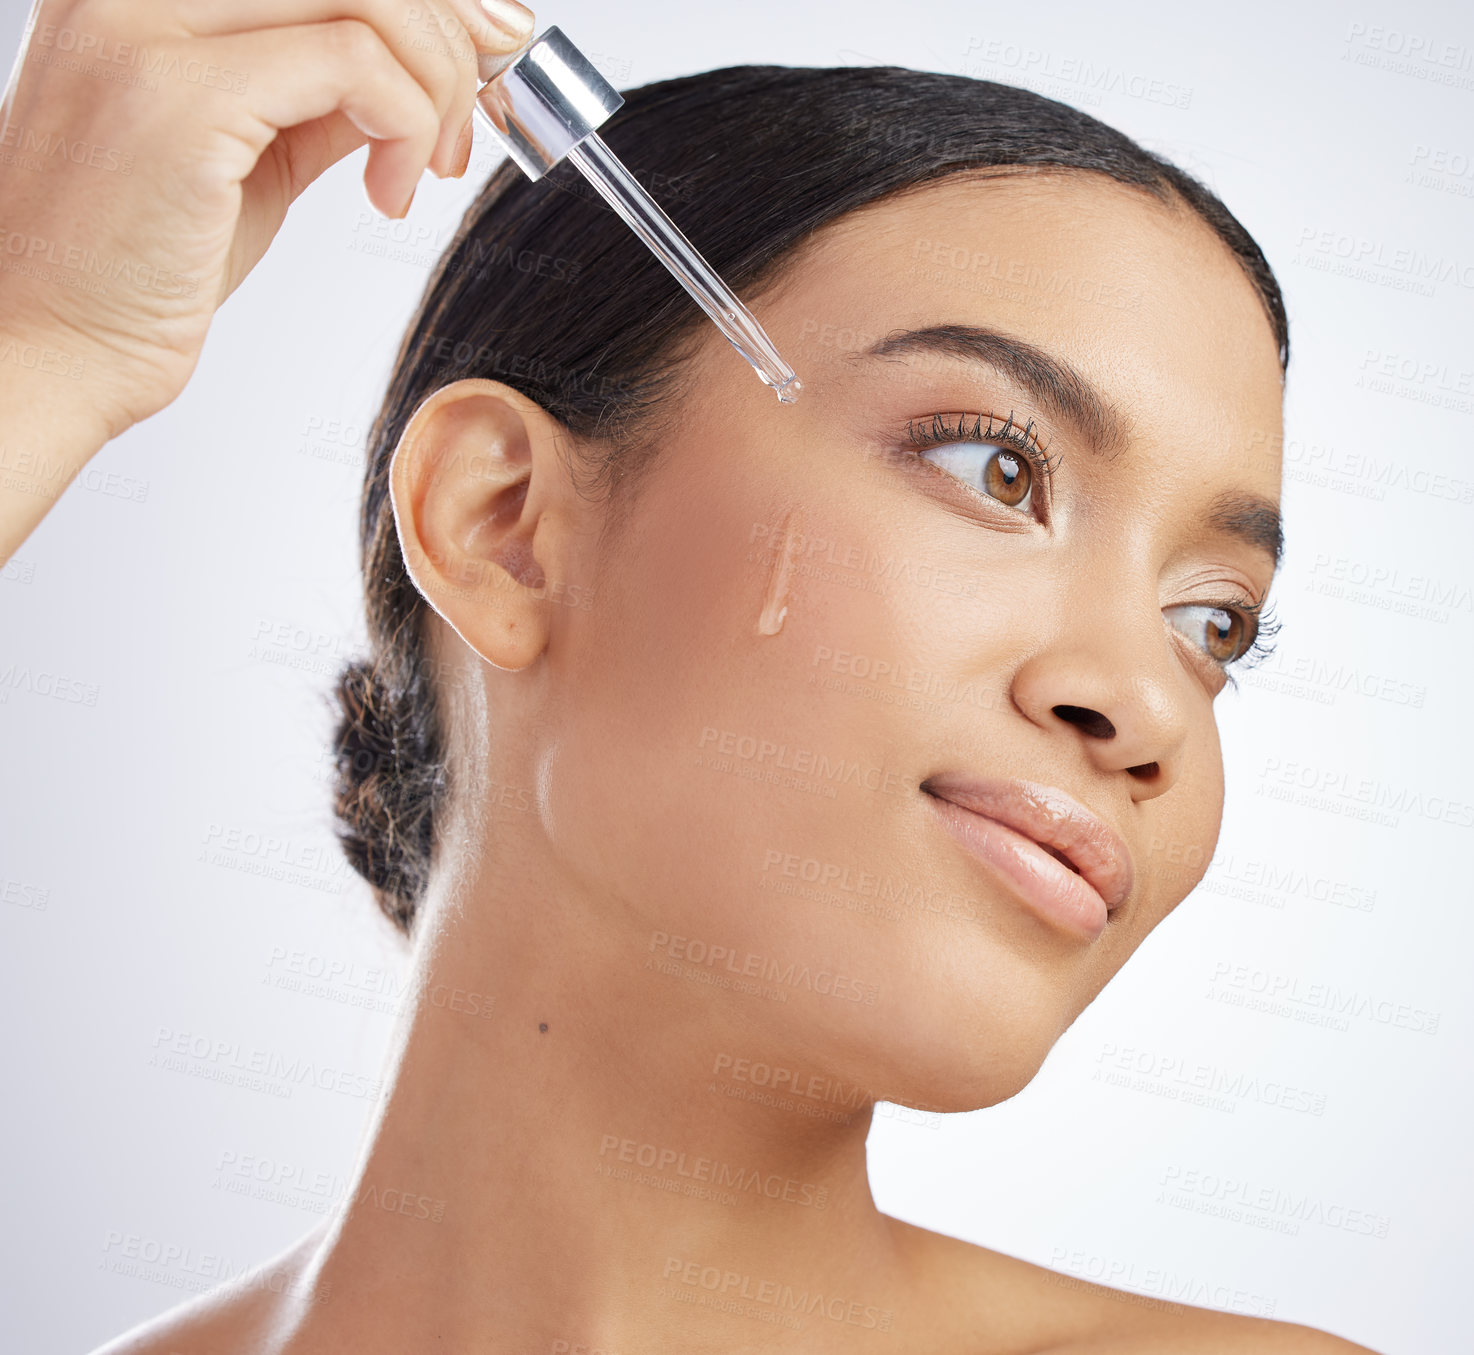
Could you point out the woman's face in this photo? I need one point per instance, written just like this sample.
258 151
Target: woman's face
806 617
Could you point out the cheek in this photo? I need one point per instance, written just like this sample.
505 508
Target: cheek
661 686
689 747
1177 845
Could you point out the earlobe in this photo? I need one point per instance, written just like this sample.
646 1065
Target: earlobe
470 488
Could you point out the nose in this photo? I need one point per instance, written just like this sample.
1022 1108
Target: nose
1116 686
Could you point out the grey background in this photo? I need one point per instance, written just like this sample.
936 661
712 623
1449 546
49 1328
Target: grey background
203 582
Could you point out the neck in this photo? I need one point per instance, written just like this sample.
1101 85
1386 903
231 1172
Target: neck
579 1148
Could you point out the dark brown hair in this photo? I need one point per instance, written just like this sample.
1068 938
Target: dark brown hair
545 289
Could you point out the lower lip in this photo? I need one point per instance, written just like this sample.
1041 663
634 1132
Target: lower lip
1048 886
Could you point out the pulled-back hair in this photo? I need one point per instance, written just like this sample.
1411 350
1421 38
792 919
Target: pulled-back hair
545 289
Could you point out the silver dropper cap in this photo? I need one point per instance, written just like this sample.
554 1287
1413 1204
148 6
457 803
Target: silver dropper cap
545 98
544 103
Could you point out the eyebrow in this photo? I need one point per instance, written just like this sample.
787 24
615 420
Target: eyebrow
1252 519
1067 395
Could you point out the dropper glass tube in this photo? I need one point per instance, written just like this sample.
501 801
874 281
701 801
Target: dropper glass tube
543 103
620 190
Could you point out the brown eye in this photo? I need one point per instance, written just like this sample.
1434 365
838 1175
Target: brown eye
999 472
1216 630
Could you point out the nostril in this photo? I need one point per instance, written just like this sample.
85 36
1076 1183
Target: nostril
1091 721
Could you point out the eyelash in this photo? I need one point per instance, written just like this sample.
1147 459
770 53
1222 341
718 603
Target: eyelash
936 432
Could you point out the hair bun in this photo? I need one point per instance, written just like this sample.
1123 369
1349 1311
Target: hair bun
389 778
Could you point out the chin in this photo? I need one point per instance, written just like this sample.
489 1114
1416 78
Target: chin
959 1085
969 1052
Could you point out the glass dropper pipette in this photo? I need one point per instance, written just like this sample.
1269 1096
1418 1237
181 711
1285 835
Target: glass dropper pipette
544 103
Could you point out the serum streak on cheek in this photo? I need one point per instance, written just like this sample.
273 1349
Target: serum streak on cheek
775 602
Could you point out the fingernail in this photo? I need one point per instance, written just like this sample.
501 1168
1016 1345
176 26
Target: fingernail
408 203
514 19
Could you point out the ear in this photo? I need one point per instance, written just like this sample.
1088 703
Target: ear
477 488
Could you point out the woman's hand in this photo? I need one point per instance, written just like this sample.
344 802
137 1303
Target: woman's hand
149 150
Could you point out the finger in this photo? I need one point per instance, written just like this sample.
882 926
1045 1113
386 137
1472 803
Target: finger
495 26
296 157
429 38
310 70
311 148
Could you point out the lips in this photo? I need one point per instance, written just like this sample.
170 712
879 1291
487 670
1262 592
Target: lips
1053 821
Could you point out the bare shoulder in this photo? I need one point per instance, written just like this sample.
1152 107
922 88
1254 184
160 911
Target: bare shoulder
216 1320
1207 1332
1008 1306
239 1317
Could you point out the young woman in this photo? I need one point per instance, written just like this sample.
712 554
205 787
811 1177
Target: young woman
700 733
